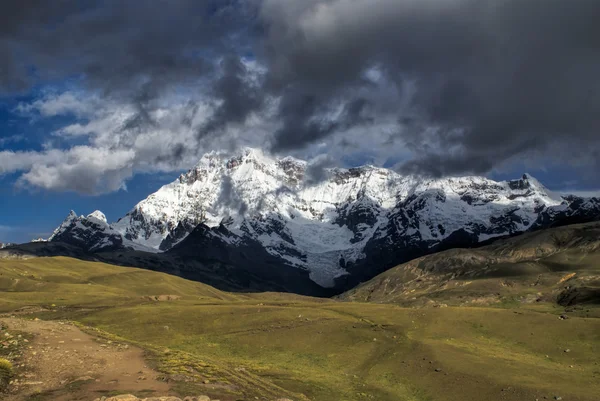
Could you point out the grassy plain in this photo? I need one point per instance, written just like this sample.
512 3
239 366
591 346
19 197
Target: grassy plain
273 345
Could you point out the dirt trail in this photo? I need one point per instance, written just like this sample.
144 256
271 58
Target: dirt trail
63 363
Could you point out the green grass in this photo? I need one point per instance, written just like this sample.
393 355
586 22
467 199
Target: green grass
6 371
279 345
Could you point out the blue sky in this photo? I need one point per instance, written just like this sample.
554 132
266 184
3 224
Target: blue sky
26 214
30 212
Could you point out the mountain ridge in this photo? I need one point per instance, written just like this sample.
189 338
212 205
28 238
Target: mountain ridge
342 226
558 265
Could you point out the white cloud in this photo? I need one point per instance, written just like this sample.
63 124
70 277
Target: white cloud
119 143
107 141
84 169
69 102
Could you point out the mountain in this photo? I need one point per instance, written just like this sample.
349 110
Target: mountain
559 265
91 232
340 226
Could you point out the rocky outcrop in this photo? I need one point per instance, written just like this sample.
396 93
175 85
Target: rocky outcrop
273 217
91 233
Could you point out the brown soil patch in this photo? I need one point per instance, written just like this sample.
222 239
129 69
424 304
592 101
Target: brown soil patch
63 363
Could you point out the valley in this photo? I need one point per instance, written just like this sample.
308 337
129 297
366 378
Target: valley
478 341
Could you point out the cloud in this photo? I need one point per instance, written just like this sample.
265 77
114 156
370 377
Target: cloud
489 80
237 92
119 48
59 104
82 169
115 149
444 87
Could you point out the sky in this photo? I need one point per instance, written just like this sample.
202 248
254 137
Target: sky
102 102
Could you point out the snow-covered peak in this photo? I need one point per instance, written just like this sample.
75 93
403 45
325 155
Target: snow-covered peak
251 184
325 219
541 188
323 213
71 217
98 215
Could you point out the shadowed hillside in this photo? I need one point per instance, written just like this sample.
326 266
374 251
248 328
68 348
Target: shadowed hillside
556 265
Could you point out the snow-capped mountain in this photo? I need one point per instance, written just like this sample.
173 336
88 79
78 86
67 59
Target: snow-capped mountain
351 222
91 232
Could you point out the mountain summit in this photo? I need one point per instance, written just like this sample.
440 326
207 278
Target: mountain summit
337 224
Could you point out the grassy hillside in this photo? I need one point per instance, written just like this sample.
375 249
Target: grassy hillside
274 345
557 265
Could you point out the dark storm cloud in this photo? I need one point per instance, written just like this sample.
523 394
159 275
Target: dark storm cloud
134 49
304 118
238 93
471 84
174 153
493 78
301 122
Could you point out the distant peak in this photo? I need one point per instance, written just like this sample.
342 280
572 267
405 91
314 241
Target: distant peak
98 215
534 184
248 151
529 177
66 222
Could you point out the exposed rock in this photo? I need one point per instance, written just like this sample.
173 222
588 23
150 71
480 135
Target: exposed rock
348 228
90 233
162 298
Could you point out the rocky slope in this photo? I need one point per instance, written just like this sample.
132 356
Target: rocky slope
342 226
91 232
556 265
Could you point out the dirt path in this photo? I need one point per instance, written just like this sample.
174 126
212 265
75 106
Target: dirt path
63 363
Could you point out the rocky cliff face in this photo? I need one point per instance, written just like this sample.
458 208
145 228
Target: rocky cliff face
91 232
342 229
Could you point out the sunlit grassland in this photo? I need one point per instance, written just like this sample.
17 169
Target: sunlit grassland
305 348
